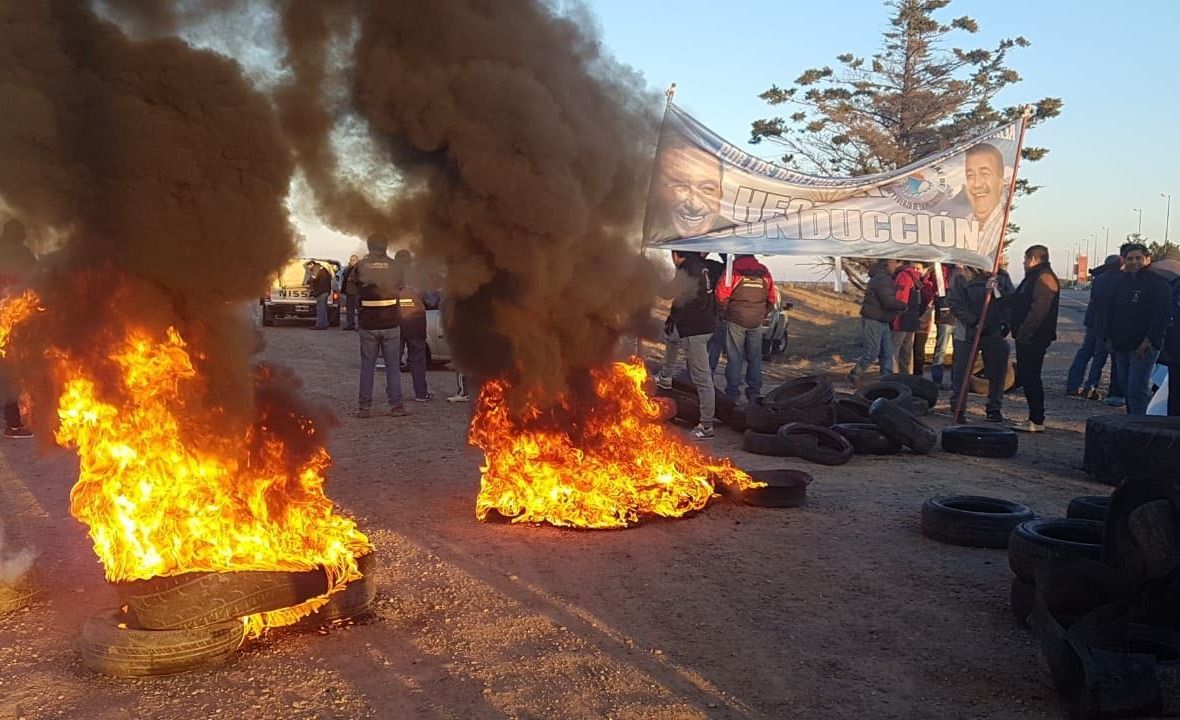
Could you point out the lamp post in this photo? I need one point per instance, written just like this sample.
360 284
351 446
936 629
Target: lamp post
1140 231
1167 216
1106 249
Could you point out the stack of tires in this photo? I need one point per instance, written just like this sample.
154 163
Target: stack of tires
1140 446
795 420
1035 541
688 404
170 625
900 401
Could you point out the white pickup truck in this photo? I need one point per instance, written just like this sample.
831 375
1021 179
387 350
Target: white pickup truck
290 296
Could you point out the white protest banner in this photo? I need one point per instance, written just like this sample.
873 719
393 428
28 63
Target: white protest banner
709 195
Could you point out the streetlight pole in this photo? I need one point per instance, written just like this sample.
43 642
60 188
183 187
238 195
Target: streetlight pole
1168 216
1106 250
1140 231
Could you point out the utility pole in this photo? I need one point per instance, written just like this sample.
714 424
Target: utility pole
1106 250
1139 232
1168 216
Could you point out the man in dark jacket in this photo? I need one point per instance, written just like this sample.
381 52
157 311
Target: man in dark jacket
745 300
1140 310
965 300
877 310
691 323
412 324
321 288
717 341
351 302
1093 349
1034 323
377 281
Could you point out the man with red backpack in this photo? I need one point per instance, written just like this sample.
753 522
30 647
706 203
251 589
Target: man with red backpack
909 289
745 299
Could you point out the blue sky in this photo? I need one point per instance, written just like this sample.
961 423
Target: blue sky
1115 146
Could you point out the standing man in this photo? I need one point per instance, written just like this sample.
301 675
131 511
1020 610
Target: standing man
321 289
717 341
965 299
1140 310
412 322
1093 349
744 303
377 281
877 309
350 301
907 283
691 323
944 322
1034 322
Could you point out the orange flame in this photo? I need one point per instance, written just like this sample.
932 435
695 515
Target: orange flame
13 311
162 492
610 463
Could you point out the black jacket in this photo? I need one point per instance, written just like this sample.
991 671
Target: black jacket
321 281
965 299
1171 353
694 311
1140 308
344 278
1035 306
1101 290
880 303
378 280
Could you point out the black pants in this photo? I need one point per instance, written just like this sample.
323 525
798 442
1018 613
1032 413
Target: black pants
920 352
995 368
1029 361
1174 390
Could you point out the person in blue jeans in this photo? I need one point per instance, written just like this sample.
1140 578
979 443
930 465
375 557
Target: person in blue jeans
1093 349
321 287
378 280
745 299
1139 314
351 302
877 311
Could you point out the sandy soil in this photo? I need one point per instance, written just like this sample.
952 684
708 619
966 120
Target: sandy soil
840 609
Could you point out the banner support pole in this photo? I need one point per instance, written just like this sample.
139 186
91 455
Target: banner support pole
838 283
669 94
958 414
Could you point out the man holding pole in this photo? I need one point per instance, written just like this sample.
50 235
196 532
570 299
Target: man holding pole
1034 323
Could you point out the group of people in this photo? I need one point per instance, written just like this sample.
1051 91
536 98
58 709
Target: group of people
1134 319
715 312
903 304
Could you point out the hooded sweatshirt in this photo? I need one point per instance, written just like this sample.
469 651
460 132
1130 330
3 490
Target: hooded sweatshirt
750 295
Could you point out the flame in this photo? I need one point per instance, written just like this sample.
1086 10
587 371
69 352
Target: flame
163 491
14 310
608 463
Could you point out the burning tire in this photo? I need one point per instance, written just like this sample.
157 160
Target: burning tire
763 444
980 441
193 600
1088 507
867 439
111 644
784 488
1035 541
354 600
19 593
901 425
971 520
815 444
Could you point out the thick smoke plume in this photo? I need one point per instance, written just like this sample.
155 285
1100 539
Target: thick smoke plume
523 153
166 172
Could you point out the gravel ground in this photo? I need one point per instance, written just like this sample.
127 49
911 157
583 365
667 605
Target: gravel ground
840 609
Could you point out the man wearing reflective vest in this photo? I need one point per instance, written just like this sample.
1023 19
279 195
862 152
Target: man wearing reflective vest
377 280
745 300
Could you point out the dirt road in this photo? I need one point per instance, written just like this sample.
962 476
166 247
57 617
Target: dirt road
840 609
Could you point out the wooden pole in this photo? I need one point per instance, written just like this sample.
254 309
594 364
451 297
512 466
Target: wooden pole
958 415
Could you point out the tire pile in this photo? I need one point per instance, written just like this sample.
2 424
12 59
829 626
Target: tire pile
176 624
1139 446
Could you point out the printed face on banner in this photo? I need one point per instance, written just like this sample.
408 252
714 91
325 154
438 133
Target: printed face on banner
709 195
688 188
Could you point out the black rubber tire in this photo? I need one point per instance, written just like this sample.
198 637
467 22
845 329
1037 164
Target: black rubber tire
763 444
1140 446
737 419
19 593
785 488
888 390
867 439
802 392
901 425
1088 507
920 386
768 418
851 409
1142 528
972 520
206 598
128 651
979 385
815 444
722 404
987 441
1021 597
918 407
354 600
1034 541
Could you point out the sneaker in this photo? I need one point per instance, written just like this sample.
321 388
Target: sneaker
399 411
995 416
1029 426
663 382
429 396
18 433
362 413
703 432
458 398
1116 401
